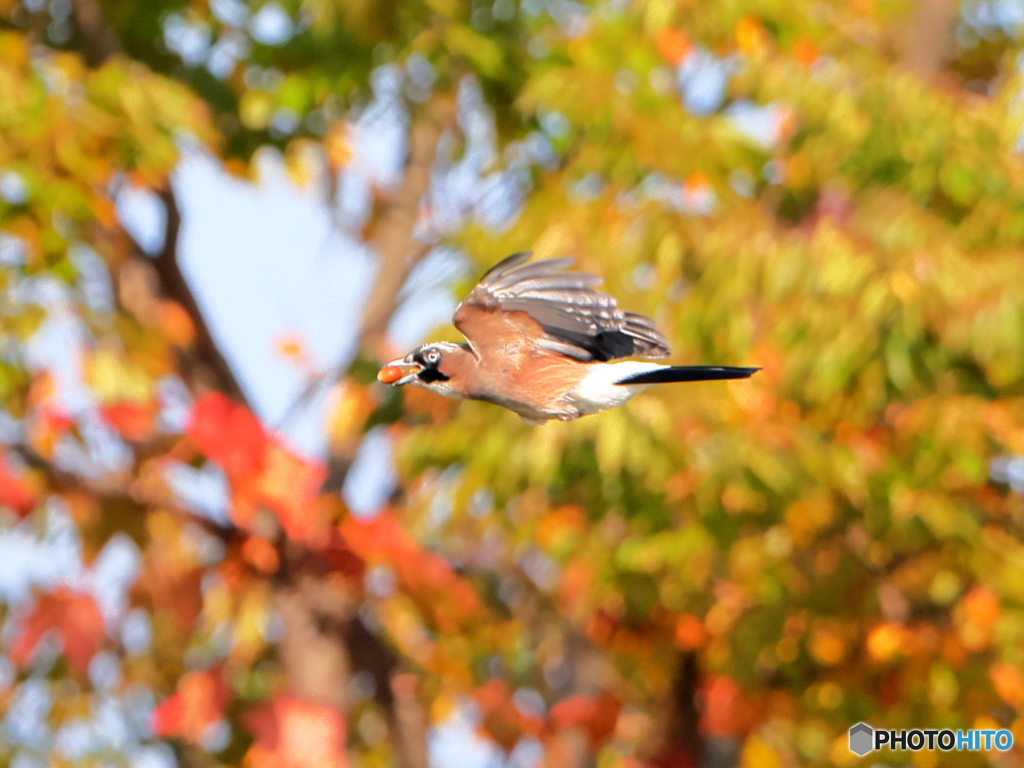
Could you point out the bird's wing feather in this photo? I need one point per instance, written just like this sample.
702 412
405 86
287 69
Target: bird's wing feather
518 302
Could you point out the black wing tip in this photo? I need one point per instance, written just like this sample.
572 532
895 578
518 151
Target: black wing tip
513 260
678 373
520 259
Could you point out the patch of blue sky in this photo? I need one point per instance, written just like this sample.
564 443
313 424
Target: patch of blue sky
93 283
231 47
110 575
234 13
12 250
264 261
271 24
761 124
702 78
203 491
990 15
13 188
143 216
425 301
372 477
26 722
189 38
455 743
34 562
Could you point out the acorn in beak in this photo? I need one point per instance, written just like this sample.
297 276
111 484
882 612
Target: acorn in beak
396 373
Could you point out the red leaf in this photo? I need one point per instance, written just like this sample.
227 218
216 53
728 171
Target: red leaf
672 756
46 428
74 615
228 433
287 484
15 492
500 719
132 421
295 734
721 705
197 703
597 715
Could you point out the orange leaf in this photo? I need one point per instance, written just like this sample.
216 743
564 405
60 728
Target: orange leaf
176 324
133 421
562 526
673 45
575 710
981 606
690 633
42 390
577 579
805 50
379 538
338 146
261 554
197 703
74 615
291 348
751 37
228 433
289 485
295 734
1008 682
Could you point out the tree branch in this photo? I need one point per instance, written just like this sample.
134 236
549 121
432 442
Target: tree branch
203 366
681 744
398 249
119 489
317 662
927 37
99 42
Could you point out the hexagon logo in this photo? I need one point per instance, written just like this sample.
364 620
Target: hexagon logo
861 739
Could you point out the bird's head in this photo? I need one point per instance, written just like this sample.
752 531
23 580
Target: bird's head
431 366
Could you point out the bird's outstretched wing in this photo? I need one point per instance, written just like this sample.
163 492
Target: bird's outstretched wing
518 303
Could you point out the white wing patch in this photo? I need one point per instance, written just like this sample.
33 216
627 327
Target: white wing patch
598 390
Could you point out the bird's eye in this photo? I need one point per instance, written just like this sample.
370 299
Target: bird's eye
432 356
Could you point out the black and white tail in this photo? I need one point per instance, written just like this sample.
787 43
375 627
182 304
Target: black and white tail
669 373
607 385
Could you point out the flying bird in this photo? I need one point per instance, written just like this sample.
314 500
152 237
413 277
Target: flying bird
541 342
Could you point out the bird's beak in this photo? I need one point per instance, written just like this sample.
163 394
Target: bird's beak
395 373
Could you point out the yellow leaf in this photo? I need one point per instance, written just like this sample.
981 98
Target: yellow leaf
887 640
302 162
115 380
757 754
827 647
252 615
481 51
256 109
338 145
349 406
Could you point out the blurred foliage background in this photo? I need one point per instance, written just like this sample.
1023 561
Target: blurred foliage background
715 574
